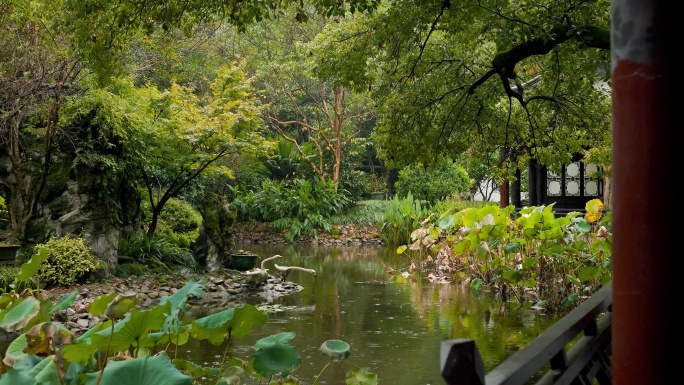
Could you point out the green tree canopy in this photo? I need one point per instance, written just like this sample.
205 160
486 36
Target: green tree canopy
172 136
479 76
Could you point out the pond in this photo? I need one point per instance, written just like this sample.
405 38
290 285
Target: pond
393 324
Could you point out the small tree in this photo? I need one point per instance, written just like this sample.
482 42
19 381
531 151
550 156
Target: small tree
37 75
189 134
432 184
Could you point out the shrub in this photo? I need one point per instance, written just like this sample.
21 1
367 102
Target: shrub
370 212
433 184
178 218
455 205
157 253
69 259
356 183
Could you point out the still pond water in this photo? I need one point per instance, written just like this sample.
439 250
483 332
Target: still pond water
394 325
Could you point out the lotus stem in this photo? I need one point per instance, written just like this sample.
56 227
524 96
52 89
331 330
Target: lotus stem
322 370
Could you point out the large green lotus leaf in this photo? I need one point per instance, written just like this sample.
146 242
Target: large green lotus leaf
178 302
30 268
358 376
45 372
179 299
120 306
234 322
83 349
19 374
85 337
132 330
335 349
25 364
276 359
173 323
446 222
156 370
113 305
65 302
16 377
582 225
99 304
15 351
80 352
19 314
283 338
73 374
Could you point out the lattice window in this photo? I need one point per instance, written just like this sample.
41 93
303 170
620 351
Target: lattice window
573 181
592 186
554 183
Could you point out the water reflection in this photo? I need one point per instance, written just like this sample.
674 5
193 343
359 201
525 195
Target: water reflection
394 325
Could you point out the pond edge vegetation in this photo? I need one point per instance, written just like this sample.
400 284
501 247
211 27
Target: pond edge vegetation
532 256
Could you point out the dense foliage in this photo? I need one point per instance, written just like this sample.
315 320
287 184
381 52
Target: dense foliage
178 221
159 253
68 261
532 255
297 206
478 77
433 184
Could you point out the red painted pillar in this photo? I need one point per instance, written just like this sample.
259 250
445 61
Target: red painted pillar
647 116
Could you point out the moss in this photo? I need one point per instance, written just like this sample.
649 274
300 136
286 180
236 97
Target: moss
218 219
335 232
57 181
177 217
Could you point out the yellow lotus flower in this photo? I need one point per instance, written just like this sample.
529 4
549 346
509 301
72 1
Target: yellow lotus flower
594 210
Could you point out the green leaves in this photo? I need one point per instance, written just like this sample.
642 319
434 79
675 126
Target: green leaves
360 376
23 373
157 370
64 302
234 322
335 349
132 330
30 268
19 314
524 252
32 360
276 359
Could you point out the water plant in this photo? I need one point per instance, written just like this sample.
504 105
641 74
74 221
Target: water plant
530 255
402 216
132 345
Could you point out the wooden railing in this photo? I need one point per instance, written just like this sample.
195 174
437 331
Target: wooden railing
574 350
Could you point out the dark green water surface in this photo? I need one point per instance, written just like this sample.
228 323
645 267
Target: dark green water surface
394 324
